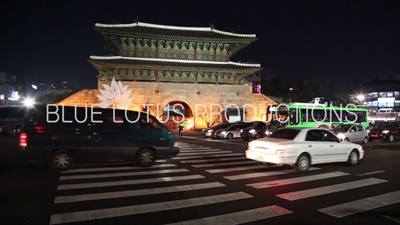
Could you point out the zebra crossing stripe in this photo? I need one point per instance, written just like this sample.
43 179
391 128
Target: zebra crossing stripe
91 176
275 183
362 205
240 217
209 150
116 168
145 208
133 193
236 169
200 157
213 160
292 196
225 164
263 174
195 149
127 182
205 153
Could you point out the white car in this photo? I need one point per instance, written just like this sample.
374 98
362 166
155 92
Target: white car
303 147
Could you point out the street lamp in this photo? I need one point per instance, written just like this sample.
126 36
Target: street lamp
360 97
29 102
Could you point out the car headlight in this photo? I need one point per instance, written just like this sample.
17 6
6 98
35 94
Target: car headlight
209 131
176 144
223 132
268 132
340 136
241 130
385 132
252 131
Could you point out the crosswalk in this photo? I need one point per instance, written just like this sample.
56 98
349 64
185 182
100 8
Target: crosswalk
177 185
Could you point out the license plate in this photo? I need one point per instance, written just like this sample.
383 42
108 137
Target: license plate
260 158
374 135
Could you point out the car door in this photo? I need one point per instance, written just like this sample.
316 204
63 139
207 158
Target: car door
396 131
352 134
335 150
362 133
236 132
315 145
112 138
151 134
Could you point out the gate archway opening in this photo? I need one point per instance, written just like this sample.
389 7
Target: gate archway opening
175 112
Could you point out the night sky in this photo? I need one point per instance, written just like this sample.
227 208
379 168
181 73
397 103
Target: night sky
340 40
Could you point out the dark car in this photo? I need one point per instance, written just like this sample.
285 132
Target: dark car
233 131
209 132
376 131
103 134
392 133
256 131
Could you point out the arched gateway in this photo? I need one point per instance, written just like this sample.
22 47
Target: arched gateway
161 65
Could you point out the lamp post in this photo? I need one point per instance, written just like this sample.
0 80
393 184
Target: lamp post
360 99
291 94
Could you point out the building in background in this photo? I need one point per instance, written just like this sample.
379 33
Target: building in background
8 93
256 81
383 92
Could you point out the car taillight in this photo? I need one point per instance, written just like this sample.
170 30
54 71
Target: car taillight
280 149
23 140
39 129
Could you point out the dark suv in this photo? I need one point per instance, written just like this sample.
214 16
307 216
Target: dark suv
209 132
380 130
392 133
94 134
256 131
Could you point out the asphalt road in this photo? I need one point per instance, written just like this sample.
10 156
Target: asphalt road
210 182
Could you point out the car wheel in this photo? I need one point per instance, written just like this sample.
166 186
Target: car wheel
346 140
391 138
365 141
18 129
371 139
145 158
303 163
230 136
353 158
61 160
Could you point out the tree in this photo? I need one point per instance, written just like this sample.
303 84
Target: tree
274 88
156 111
52 98
210 116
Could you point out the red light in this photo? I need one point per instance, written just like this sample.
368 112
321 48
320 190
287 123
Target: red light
23 140
39 129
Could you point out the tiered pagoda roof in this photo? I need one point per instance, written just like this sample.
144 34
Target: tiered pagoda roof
150 30
146 50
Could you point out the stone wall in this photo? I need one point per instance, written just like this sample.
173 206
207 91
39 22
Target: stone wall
196 96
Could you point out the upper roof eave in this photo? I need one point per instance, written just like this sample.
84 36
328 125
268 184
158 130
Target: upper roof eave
98 26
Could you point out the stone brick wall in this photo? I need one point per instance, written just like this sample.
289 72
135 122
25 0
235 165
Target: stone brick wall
196 96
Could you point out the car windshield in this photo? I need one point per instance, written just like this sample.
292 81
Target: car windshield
340 129
221 126
384 125
258 125
288 134
232 127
